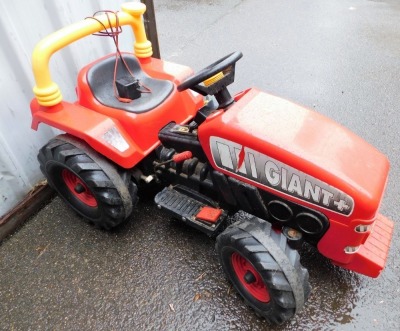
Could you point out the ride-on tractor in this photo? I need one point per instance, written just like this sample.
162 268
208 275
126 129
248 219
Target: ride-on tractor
286 174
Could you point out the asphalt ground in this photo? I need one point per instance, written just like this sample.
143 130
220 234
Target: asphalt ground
340 58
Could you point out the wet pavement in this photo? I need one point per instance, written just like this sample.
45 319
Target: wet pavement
341 58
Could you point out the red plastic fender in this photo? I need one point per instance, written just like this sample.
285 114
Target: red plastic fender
99 131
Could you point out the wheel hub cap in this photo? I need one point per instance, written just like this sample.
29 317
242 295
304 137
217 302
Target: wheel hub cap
249 278
78 188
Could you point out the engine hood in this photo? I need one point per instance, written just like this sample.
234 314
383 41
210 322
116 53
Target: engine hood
280 146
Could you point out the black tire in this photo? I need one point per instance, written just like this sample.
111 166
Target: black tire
275 285
95 188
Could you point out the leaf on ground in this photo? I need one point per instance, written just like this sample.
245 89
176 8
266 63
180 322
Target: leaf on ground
42 249
197 297
207 294
200 277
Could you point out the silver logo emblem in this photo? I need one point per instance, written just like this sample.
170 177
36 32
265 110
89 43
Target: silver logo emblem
271 173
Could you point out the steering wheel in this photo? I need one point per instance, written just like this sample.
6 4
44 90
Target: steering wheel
222 64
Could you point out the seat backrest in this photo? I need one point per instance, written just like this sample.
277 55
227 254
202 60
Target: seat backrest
100 78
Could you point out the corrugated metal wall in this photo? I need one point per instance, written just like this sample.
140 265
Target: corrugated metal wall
22 24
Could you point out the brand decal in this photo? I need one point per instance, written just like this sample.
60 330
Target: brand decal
271 173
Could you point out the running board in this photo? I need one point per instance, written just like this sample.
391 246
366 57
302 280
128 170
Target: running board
201 215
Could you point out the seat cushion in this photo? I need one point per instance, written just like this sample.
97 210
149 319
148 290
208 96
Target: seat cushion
100 78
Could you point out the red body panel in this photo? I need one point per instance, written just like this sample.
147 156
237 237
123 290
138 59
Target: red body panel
312 144
90 120
87 125
371 256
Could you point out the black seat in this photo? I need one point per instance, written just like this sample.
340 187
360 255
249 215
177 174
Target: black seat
100 79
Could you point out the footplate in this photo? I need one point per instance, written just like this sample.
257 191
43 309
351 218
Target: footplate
370 258
183 207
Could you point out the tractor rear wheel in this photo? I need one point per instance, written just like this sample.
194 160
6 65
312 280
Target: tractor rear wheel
94 187
263 269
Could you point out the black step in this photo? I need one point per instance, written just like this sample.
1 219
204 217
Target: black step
185 208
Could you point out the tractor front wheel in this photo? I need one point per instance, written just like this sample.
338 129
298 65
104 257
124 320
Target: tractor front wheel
94 187
263 269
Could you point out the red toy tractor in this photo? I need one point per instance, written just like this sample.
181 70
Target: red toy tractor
140 120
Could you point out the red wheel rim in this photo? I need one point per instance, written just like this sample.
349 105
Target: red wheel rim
84 194
256 286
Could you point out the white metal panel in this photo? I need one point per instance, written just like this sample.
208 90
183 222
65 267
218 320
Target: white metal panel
23 23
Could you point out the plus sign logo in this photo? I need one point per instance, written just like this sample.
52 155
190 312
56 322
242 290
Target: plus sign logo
341 205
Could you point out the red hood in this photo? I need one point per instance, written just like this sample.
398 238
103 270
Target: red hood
306 141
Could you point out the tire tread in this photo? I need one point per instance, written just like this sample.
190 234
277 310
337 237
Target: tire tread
65 154
283 304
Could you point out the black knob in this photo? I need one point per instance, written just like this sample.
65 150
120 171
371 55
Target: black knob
79 188
249 277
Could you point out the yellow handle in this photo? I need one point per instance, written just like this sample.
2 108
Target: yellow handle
46 91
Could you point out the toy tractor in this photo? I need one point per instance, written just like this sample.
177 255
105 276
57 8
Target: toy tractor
138 120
